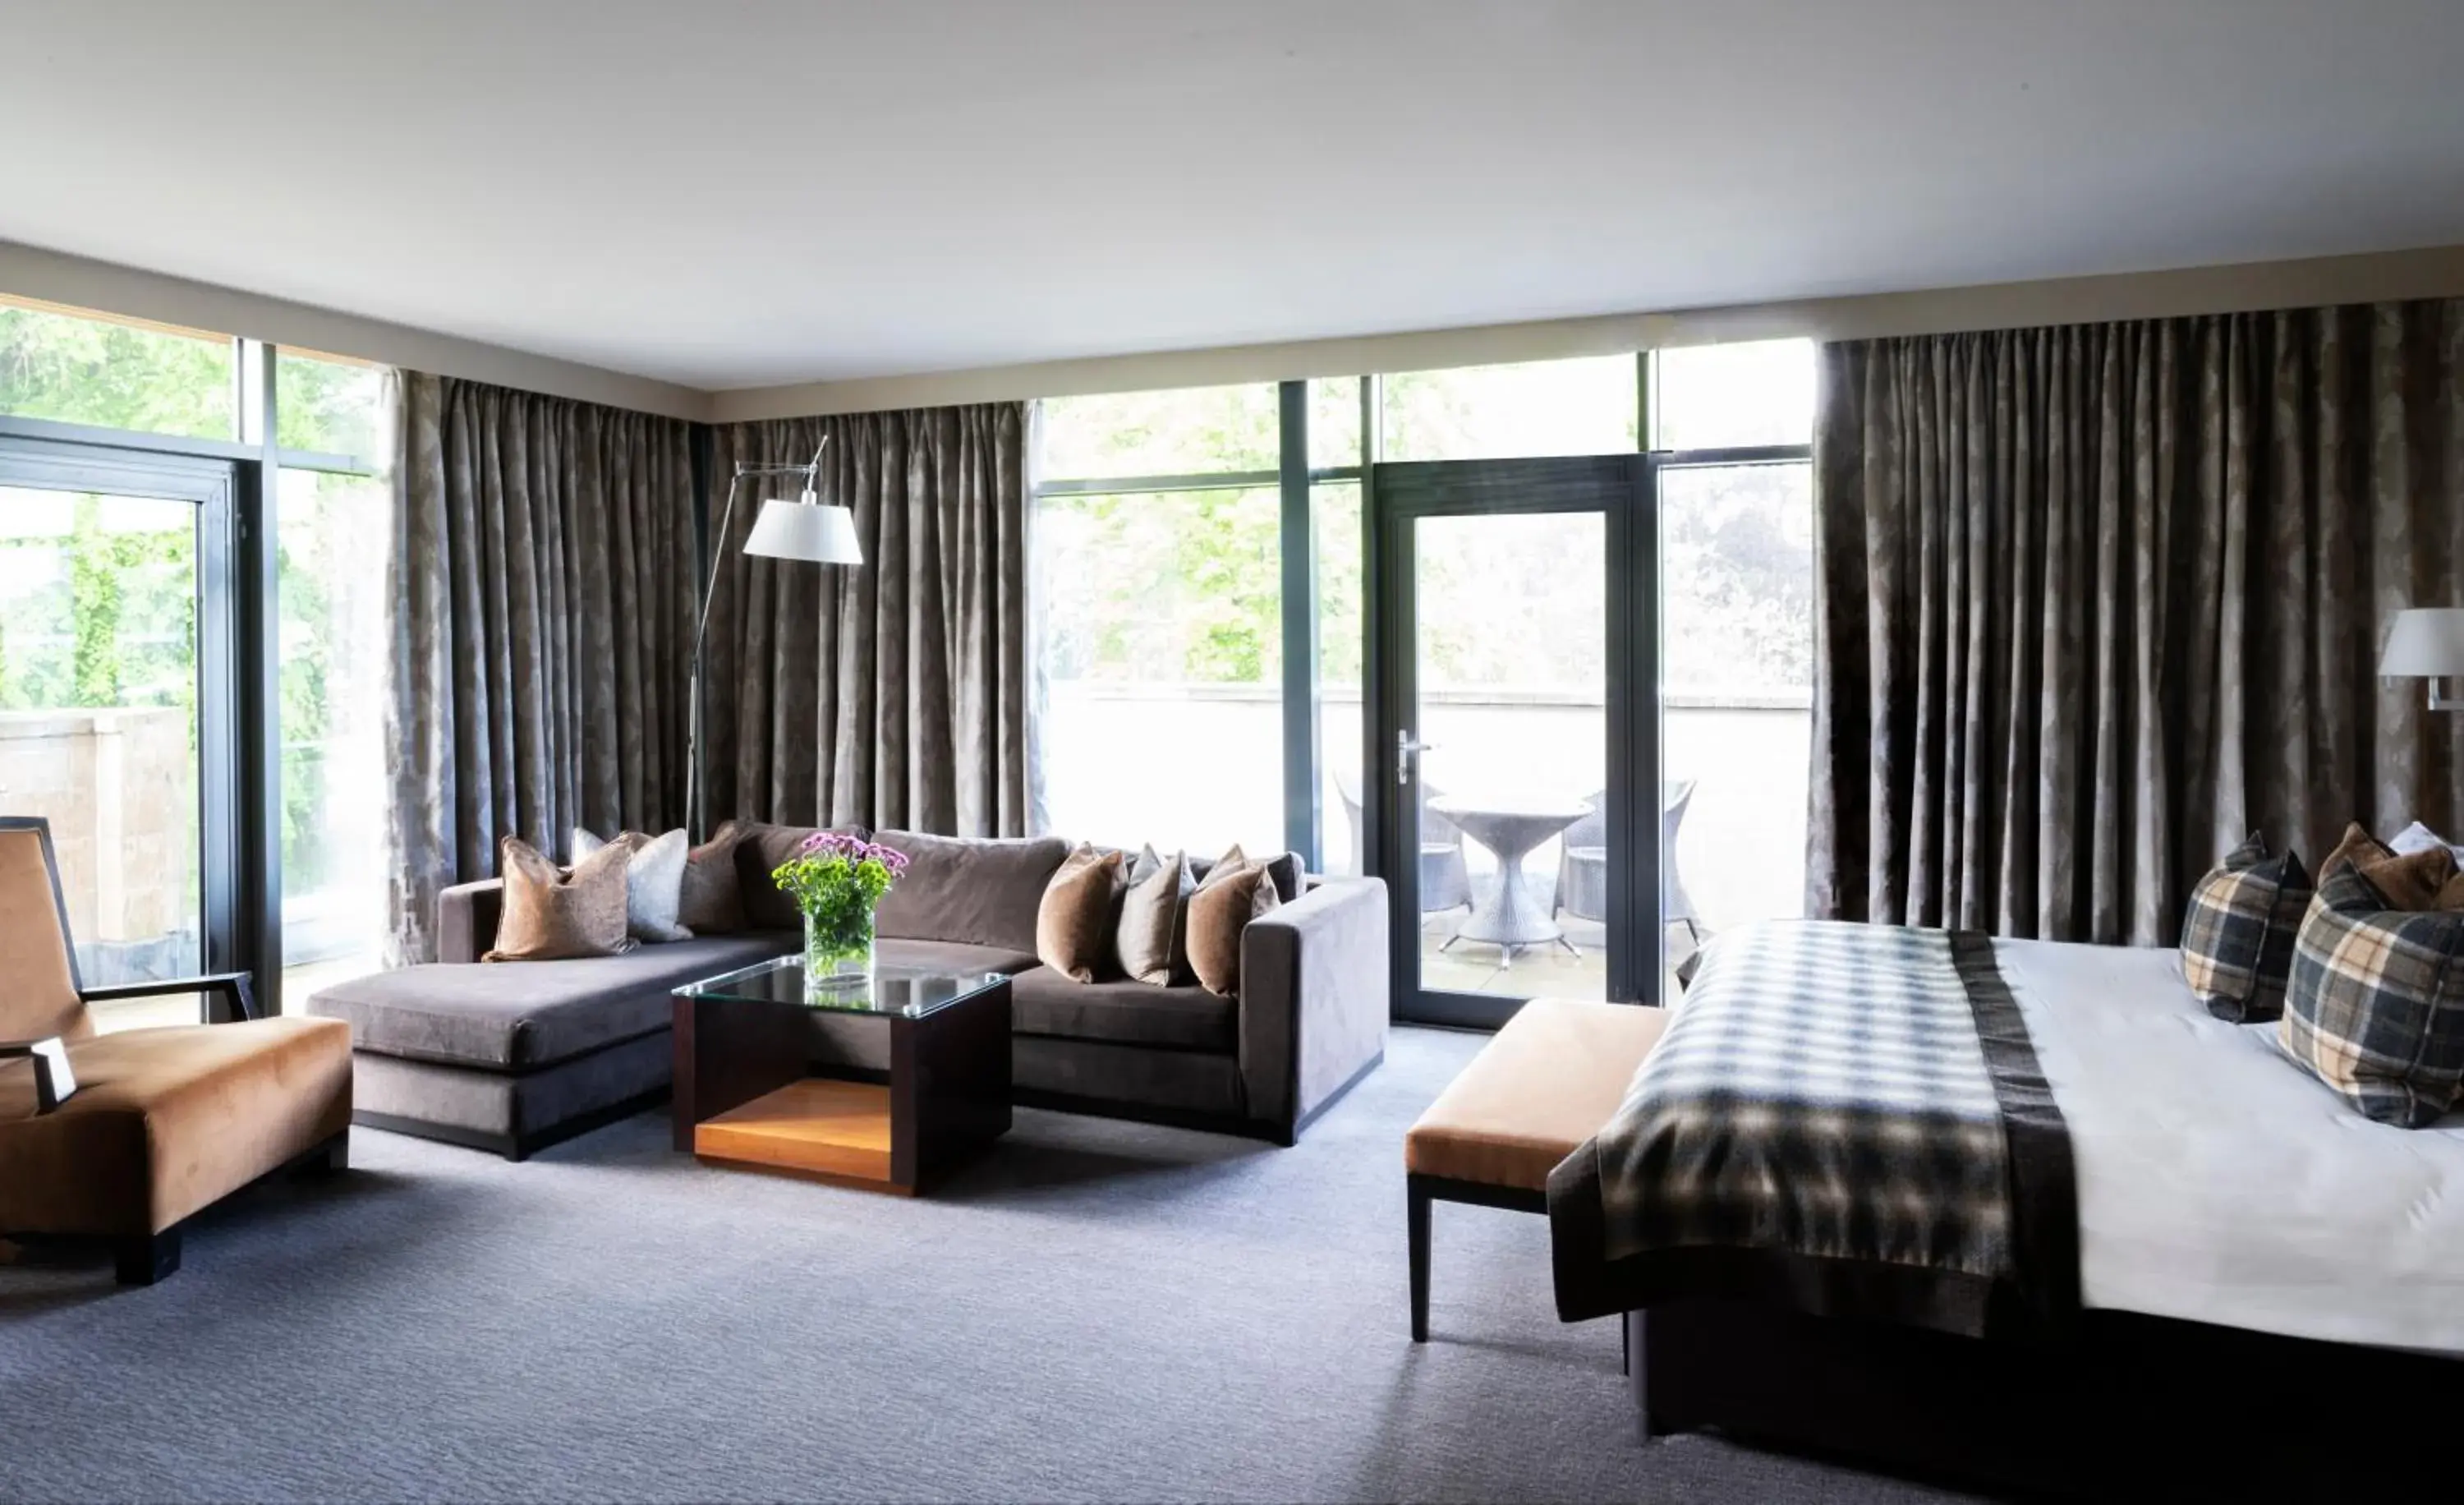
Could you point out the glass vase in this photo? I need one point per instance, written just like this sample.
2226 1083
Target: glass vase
838 948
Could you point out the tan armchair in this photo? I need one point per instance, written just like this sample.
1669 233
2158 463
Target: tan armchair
123 1135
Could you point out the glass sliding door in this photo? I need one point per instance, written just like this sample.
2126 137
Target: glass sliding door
115 706
1513 674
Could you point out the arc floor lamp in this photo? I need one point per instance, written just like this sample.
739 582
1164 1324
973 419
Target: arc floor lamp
804 529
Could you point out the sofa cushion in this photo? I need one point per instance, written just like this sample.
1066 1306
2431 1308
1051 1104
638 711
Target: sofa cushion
654 877
708 897
1289 874
1152 939
553 914
980 890
514 1016
1075 919
1234 891
1043 1002
760 848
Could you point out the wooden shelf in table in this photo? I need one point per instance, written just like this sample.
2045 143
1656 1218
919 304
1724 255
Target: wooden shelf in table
746 1093
817 1125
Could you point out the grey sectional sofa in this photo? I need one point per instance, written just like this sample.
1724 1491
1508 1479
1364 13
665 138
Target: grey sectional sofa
514 1056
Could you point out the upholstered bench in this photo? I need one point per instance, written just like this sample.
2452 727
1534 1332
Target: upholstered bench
1543 1085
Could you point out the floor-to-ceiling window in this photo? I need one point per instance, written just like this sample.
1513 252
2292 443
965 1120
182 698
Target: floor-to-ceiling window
1158 618
1141 586
136 488
1736 549
332 520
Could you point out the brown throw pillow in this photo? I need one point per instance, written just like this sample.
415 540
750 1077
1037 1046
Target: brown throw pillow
550 915
1153 939
1236 892
2418 882
1073 924
710 901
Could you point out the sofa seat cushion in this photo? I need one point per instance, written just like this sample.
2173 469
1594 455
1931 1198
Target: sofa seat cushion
952 956
516 1016
1043 1002
165 1121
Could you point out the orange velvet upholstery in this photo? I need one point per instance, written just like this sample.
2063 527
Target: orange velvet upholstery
167 1121
39 996
1543 1085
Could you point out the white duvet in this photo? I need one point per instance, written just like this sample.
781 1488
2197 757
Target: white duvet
2220 1183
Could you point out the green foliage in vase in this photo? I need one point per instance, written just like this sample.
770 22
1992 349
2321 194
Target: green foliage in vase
836 880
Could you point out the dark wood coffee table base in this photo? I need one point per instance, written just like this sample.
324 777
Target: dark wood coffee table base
746 1093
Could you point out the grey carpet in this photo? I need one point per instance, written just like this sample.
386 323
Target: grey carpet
1099 1311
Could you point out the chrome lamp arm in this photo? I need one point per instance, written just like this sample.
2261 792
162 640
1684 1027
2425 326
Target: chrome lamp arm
811 471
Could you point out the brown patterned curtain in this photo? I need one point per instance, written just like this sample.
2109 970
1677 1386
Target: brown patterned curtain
2096 602
895 693
540 604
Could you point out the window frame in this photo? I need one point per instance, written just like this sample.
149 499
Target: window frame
1303 739
239 629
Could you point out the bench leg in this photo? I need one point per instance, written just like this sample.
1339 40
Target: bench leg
1416 1198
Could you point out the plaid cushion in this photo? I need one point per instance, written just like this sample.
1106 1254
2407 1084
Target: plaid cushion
2237 937
2375 1008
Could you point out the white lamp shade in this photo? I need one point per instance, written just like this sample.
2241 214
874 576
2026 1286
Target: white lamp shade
2425 642
806 530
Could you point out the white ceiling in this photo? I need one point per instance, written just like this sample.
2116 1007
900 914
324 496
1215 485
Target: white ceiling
729 195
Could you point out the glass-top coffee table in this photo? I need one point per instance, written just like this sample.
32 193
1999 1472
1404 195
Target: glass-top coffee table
883 1084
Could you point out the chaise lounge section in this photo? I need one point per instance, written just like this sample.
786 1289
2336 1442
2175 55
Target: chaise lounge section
511 1057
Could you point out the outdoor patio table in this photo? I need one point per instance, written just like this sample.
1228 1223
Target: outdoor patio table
1509 917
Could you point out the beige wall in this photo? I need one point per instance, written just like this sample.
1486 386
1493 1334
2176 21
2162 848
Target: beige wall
2437 272
79 282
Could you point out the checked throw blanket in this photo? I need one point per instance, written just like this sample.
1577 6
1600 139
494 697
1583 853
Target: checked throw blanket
1845 1119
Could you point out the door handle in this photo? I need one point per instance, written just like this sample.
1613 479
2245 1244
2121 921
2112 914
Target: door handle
1405 746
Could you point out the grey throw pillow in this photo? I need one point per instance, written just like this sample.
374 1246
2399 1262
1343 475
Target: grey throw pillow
654 877
1153 935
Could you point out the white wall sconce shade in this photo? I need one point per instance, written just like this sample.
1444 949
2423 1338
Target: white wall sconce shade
2425 643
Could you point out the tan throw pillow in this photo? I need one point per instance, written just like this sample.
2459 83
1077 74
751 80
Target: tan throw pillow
1236 892
709 901
1152 939
2415 881
1073 924
550 915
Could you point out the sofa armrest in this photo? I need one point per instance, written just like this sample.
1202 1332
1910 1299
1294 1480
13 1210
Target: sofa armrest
466 920
1315 998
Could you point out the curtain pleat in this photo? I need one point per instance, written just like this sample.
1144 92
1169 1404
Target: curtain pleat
541 599
893 693
2096 602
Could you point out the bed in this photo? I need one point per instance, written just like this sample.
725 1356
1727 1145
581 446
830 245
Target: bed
2235 1276
2218 1183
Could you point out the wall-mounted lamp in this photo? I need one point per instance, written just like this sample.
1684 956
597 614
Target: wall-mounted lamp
2427 643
